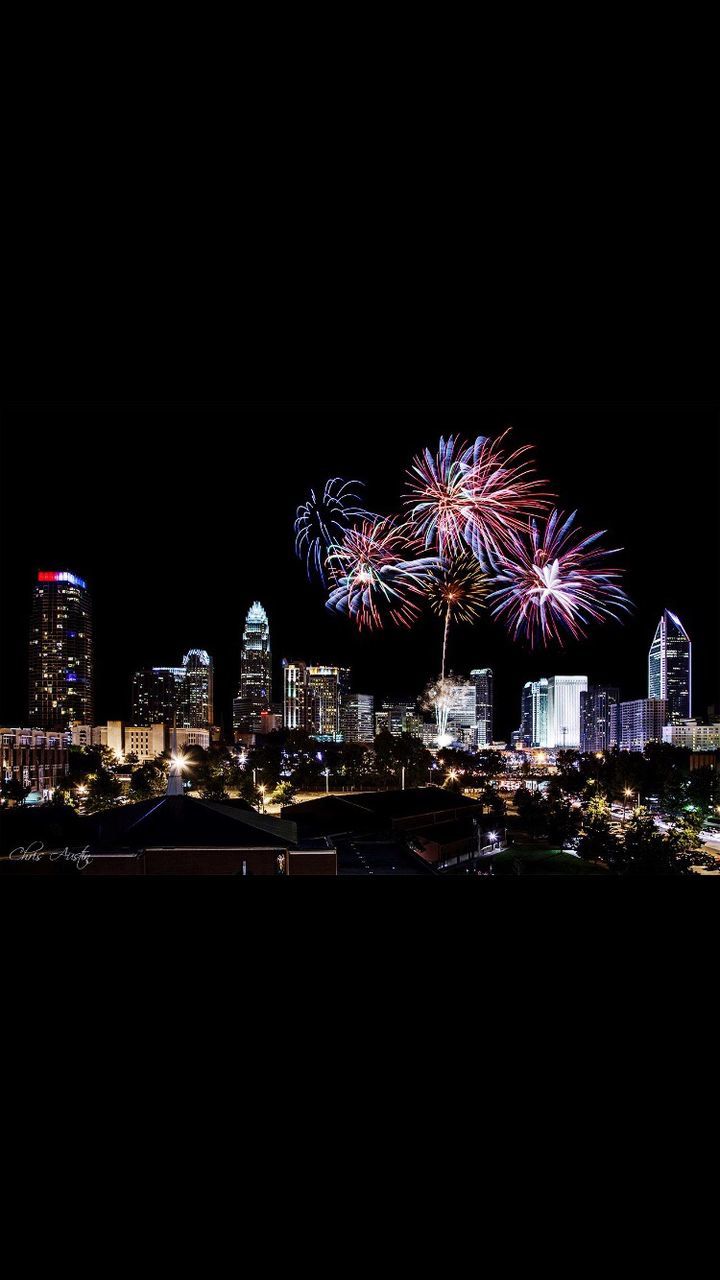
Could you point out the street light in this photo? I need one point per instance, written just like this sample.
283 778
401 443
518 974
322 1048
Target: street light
261 789
326 772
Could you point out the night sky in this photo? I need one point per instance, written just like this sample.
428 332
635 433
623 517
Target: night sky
179 518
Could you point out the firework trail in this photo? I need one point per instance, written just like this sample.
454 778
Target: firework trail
375 578
457 593
556 581
323 519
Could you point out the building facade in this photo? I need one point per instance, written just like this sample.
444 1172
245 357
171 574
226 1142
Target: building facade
634 724
255 693
181 696
294 711
692 736
563 711
595 707
61 660
534 714
670 668
34 758
145 742
358 718
484 705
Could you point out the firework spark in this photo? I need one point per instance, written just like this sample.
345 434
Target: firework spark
556 581
457 592
440 697
502 494
439 497
323 520
472 495
376 579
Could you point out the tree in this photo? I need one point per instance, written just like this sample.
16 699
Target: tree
14 791
598 840
104 790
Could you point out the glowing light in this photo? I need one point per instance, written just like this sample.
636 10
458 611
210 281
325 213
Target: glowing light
44 576
322 521
556 581
457 592
439 498
376 580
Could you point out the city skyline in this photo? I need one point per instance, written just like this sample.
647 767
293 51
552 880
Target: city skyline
143 611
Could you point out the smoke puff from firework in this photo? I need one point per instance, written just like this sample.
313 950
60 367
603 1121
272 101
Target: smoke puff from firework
375 578
323 519
472 495
556 582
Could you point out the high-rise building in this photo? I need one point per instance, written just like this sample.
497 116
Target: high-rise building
294 694
326 687
595 708
180 696
634 724
61 668
255 693
397 718
358 718
563 711
692 736
483 681
670 668
534 721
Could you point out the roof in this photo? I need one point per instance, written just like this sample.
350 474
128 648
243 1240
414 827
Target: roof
179 821
365 809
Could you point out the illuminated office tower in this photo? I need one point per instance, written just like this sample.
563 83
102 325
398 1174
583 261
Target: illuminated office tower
61 670
462 714
483 681
670 668
634 724
534 723
358 718
563 711
326 687
255 693
595 707
294 694
197 690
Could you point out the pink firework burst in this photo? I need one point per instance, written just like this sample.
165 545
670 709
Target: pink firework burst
556 582
472 495
377 574
502 496
439 498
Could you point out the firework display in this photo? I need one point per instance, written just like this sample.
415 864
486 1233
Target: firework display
323 519
376 576
556 581
478 527
457 593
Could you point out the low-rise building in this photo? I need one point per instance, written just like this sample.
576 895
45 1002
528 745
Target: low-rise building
145 742
36 758
693 736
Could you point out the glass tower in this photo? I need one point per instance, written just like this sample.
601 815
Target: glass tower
563 710
255 693
670 668
483 681
61 669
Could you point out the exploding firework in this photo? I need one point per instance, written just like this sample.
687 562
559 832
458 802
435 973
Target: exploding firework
322 521
457 592
439 497
502 494
472 495
376 579
556 581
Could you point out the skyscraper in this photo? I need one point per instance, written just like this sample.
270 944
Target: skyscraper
179 696
534 722
61 667
595 706
670 668
325 689
483 681
563 710
358 718
634 724
255 693
294 694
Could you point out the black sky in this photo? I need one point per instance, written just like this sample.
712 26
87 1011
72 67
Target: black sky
180 517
